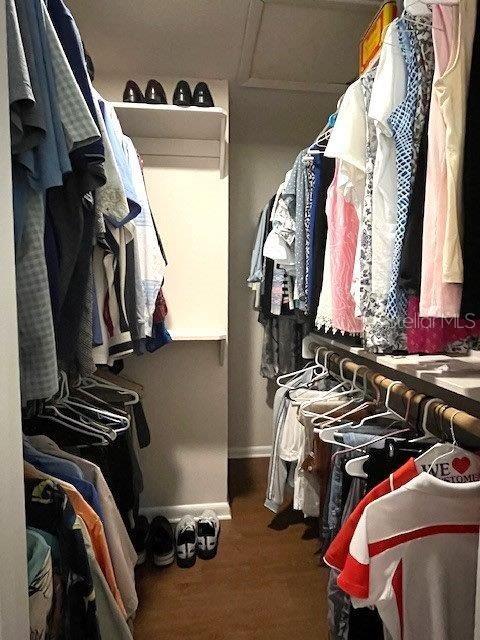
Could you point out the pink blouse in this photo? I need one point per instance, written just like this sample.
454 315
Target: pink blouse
438 299
343 231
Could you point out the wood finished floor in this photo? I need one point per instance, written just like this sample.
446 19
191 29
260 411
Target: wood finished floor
264 584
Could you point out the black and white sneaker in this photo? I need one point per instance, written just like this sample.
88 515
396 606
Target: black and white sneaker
186 542
161 541
208 532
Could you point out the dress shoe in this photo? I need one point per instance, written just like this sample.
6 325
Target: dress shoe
202 96
182 96
155 93
132 92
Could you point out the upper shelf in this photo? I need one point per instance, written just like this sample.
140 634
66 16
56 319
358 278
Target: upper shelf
456 374
171 122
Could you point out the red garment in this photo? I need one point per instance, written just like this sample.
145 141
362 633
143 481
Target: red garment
434 335
337 552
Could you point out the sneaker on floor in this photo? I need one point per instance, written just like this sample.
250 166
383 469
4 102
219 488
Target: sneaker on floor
208 531
140 538
161 542
186 542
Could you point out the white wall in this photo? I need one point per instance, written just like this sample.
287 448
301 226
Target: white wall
14 621
268 129
185 385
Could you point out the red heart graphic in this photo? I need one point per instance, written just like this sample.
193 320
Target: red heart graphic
460 464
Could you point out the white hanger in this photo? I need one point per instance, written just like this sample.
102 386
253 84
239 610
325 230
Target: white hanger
451 448
92 382
427 435
347 448
328 434
282 380
389 410
354 467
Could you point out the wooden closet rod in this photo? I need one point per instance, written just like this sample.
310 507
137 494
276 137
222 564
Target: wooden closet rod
466 426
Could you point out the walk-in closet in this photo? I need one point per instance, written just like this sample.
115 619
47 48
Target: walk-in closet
240 320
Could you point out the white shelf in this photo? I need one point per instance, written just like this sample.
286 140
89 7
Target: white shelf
202 336
185 336
458 374
171 122
167 130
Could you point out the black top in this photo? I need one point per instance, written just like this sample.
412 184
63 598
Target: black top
411 258
327 170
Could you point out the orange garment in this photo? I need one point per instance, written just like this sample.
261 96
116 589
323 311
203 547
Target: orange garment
94 526
97 536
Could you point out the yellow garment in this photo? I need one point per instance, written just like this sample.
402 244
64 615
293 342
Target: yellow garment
452 89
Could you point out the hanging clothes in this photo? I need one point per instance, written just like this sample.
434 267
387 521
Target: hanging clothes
470 188
437 297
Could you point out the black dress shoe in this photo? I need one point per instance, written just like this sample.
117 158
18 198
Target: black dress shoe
182 96
132 92
155 93
202 96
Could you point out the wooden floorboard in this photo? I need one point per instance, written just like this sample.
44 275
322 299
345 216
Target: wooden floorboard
264 584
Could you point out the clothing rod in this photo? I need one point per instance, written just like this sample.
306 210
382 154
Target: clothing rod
466 426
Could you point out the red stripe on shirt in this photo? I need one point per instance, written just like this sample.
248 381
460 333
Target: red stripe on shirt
397 585
374 548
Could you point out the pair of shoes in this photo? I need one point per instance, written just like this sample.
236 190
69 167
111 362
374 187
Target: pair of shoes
182 96
197 538
156 537
154 93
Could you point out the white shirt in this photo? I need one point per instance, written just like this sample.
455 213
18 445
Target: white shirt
414 556
388 91
347 143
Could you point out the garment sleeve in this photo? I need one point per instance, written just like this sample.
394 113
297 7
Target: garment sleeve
348 137
256 262
388 89
354 579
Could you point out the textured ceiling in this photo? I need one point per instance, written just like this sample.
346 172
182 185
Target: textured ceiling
310 41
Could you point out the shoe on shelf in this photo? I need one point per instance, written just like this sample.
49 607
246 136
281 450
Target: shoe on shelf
202 96
155 93
186 542
132 92
161 541
208 532
182 96
140 538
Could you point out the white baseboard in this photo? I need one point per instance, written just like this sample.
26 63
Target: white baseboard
175 512
250 452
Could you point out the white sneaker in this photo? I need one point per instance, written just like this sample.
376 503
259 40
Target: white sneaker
186 542
208 532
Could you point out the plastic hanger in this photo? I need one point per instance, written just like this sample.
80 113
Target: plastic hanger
357 469
427 435
304 408
56 409
451 447
347 448
389 411
282 380
327 419
93 382
104 417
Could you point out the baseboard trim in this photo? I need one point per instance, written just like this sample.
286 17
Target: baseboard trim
250 452
175 512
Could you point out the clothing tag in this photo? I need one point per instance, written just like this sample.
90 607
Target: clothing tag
456 466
